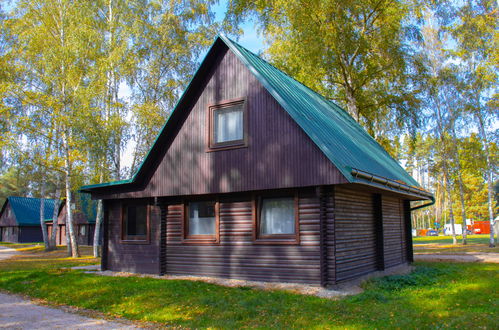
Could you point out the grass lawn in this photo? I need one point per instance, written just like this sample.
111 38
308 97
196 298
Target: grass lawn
443 245
436 295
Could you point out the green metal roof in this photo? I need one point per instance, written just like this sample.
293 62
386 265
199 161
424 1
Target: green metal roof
27 210
346 144
87 206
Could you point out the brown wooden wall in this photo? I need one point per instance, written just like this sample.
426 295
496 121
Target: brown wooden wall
29 234
78 216
10 234
237 256
279 153
355 233
87 239
395 249
330 239
351 247
136 258
8 217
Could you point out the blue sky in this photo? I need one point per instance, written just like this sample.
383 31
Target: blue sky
250 38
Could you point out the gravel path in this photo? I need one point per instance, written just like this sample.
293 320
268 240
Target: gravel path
20 313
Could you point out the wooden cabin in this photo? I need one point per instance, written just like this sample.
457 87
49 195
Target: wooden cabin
255 176
84 211
20 219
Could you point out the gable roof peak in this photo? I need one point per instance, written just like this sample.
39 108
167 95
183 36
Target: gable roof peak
344 142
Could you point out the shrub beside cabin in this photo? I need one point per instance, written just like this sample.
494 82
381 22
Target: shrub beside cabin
255 176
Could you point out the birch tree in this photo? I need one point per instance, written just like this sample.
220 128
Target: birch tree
476 33
52 44
352 52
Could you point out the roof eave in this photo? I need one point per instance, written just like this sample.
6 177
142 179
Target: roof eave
377 181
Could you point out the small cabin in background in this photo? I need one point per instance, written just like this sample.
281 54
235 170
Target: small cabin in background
20 219
84 212
255 176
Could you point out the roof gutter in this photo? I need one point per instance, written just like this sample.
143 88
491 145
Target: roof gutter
392 184
432 201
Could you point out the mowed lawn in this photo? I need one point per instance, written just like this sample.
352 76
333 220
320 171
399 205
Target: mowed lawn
443 245
434 296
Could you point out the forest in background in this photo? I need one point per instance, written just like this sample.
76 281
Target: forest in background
419 75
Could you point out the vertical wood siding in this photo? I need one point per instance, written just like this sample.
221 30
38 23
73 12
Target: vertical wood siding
60 237
10 234
237 257
355 233
279 153
136 258
8 218
394 231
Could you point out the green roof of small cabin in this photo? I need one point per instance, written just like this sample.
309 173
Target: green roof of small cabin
344 142
27 209
87 206
84 204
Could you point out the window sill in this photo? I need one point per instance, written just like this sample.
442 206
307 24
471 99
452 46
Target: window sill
200 241
276 241
227 147
135 241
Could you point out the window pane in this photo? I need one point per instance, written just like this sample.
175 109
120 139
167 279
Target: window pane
228 124
136 220
277 216
202 218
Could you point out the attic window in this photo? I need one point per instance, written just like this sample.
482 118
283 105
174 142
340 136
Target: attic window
227 125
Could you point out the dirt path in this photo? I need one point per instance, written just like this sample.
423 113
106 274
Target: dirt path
6 252
468 257
20 313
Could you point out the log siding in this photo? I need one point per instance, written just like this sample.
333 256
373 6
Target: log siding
140 257
355 233
393 232
237 255
338 229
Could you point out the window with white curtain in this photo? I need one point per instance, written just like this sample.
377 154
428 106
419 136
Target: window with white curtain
227 124
202 219
277 216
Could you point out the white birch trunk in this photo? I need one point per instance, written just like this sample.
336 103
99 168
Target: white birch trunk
42 218
68 237
69 215
98 223
460 184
